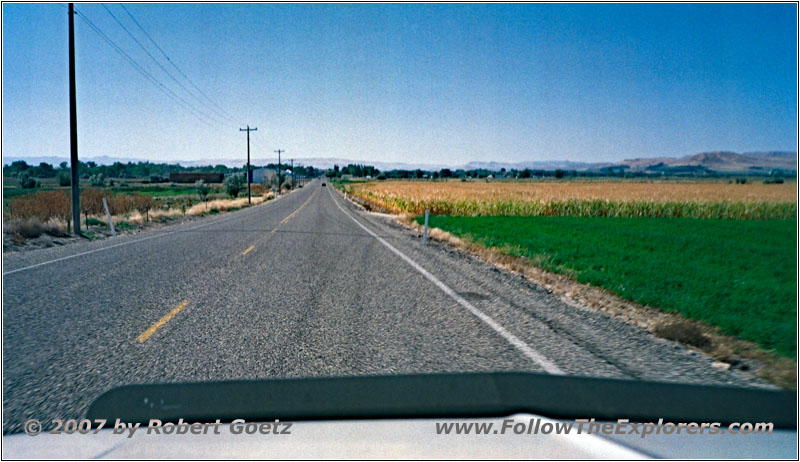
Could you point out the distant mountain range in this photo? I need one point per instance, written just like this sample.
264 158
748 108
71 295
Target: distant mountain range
728 162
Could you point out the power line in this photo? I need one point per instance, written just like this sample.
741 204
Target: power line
158 63
201 116
170 94
220 109
213 107
174 97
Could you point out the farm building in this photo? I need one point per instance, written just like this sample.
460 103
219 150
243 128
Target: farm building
191 177
259 173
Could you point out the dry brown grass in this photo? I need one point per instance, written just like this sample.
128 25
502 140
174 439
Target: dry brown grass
683 331
43 205
222 205
33 227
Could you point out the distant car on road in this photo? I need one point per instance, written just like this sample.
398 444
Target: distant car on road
323 184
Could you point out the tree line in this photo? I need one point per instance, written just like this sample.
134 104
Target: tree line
115 170
152 172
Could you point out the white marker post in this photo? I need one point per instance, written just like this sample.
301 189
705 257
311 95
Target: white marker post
108 215
425 235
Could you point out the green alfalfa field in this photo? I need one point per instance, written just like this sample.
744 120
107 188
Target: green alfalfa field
738 275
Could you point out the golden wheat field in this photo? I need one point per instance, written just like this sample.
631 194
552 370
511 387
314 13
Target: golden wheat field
656 199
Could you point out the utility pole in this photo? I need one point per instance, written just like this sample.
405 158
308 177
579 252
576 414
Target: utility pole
248 130
73 127
279 151
292 174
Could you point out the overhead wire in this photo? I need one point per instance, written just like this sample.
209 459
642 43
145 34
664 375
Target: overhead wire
169 93
212 115
200 115
183 74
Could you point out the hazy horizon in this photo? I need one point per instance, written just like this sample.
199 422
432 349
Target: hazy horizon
327 162
407 83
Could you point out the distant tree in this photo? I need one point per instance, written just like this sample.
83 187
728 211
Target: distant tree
45 170
560 173
27 182
445 173
234 184
64 178
269 180
97 180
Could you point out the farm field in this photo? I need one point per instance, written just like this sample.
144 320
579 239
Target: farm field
738 275
719 252
11 190
704 199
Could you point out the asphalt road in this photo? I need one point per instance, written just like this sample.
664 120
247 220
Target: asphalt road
307 285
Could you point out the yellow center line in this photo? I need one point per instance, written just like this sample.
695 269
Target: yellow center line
248 249
298 209
152 329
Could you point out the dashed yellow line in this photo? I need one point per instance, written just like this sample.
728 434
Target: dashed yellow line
152 329
293 213
248 250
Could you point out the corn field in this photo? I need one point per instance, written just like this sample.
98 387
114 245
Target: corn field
595 199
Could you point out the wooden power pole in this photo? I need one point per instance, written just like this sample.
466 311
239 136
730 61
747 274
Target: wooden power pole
279 151
248 130
73 127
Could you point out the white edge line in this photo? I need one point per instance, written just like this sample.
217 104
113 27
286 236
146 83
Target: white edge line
523 347
224 219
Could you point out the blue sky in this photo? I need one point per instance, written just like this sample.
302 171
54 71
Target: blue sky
428 83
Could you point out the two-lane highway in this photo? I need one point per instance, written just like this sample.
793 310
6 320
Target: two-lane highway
307 285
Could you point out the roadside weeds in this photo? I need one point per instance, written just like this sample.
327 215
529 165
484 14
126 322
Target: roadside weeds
32 234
